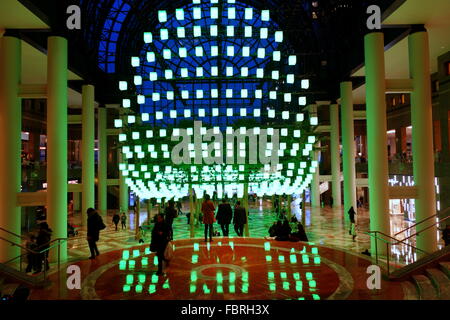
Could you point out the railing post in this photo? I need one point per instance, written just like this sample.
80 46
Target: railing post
376 248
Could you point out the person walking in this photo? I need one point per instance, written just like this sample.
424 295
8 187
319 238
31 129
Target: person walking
43 243
240 219
224 216
160 239
352 231
116 219
123 220
94 225
208 217
170 213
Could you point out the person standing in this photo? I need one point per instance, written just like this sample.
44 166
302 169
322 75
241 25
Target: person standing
94 225
208 217
123 220
170 214
352 231
160 239
224 217
116 219
446 235
240 219
43 243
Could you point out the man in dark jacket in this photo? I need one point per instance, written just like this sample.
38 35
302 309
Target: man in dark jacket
43 242
240 219
224 217
94 225
170 214
160 239
116 219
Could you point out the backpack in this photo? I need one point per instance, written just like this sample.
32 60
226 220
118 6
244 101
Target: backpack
168 252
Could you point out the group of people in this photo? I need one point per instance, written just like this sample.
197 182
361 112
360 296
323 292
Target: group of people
224 217
281 230
38 246
120 218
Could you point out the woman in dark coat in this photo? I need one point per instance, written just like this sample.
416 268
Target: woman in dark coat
170 214
240 219
224 217
208 217
160 239
94 225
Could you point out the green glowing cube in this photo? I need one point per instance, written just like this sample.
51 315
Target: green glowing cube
317 260
293 258
292 250
139 288
299 286
267 246
232 288
316 297
219 243
232 277
131 264
269 258
192 288
144 262
206 289
130 279
125 254
271 275
219 277
142 278
155 261
208 246
196 247
152 289
245 276
136 253
147 251
122 265
283 275
126 288
194 276
315 250
301 298
245 288
219 289
231 243
309 276
285 285
281 259
305 259
272 286
297 276
166 284
194 258
312 284
154 278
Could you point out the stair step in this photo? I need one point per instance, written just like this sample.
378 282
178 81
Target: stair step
410 291
440 281
426 289
445 267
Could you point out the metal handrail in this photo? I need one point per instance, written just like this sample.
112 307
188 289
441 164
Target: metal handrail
12 233
430 226
422 221
397 241
58 240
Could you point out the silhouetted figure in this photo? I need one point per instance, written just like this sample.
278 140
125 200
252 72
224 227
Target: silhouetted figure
160 239
224 217
94 225
208 217
116 219
240 219
123 220
170 213
43 243
446 235
352 231
284 232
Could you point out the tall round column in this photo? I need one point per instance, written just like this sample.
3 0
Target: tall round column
123 189
57 141
422 138
348 147
10 143
315 183
87 150
377 136
335 156
102 163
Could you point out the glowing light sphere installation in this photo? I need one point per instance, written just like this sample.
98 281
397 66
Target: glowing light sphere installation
215 104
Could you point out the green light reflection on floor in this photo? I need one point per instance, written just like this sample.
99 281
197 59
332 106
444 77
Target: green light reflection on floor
309 276
122 264
283 275
281 259
219 243
219 289
194 276
285 285
299 286
194 258
296 276
166 284
314 250
125 254
312 283
142 278
219 277
292 250
129 279
272 286
196 247
231 243
126 288
192 288
131 264
155 261
293 258
139 288
245 276
147 251
154 278
301 298
267 246
208 246
316 297
232 288
232 277
269 258
206 289
245 288
317 260
152 289
305 259
271 275
144 262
